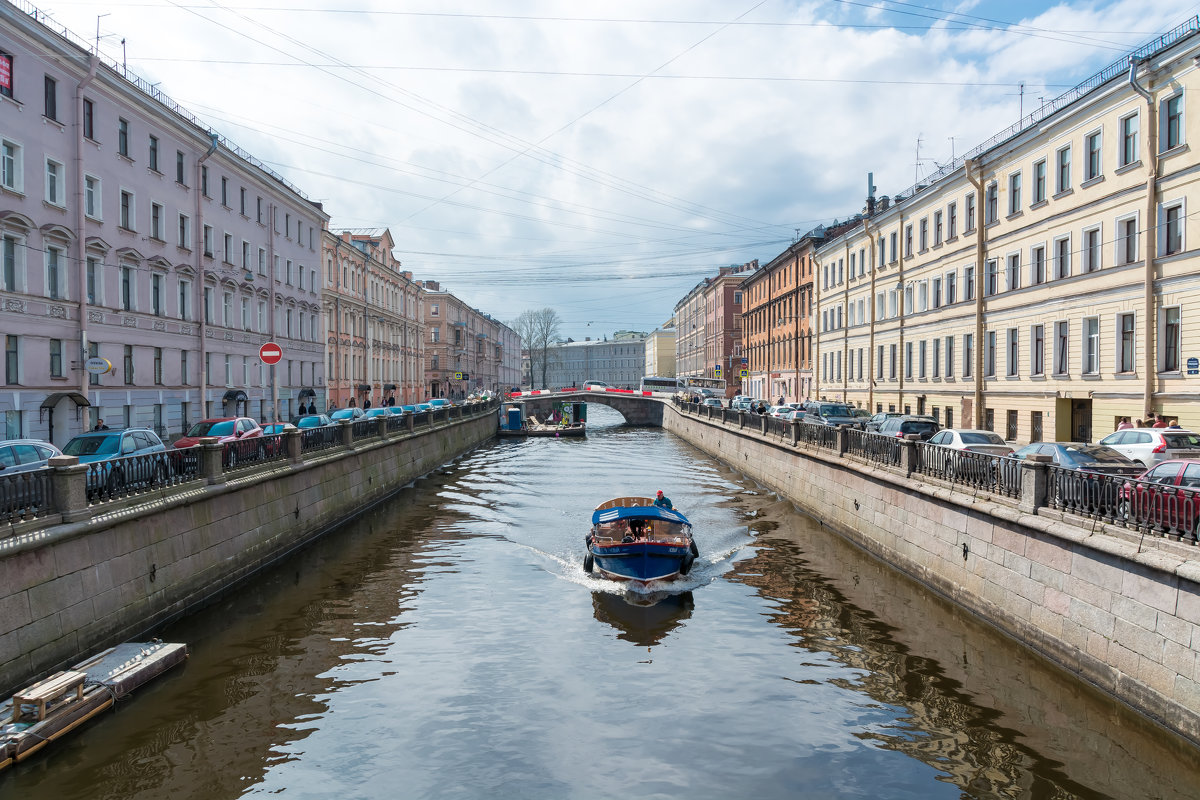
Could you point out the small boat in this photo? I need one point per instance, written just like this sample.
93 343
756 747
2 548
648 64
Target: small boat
632 539
567 420
52 708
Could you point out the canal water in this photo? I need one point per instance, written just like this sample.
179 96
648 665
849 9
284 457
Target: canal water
449 645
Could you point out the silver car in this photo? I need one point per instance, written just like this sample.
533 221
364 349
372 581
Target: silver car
23 455
1152 446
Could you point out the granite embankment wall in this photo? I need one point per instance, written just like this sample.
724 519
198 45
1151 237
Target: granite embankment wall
1117 609
67 590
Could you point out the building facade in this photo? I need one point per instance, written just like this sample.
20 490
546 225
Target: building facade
777 306
466 350
374 322
660 352
1042 286
137 242
709 328
619 361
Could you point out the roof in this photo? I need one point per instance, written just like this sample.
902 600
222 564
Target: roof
637 512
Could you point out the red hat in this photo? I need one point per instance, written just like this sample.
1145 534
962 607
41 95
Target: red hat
660 491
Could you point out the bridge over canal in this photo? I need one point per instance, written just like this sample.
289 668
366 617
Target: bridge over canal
644 409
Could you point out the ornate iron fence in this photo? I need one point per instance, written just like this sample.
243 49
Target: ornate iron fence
823 436
365 428
990 473
876 448
26 495
126 476
322 438
243 453
1159 510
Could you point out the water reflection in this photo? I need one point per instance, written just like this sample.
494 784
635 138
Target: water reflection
644 619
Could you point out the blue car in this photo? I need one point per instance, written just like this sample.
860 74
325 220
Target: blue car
312 421
346 413
111 447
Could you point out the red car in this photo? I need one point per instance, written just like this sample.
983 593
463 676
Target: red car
227 429
1166 496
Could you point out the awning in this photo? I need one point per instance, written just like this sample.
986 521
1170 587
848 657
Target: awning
52 400
364 387
306 393
601 515
234 396
389 387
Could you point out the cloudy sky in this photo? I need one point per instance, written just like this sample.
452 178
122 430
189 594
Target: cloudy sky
601 158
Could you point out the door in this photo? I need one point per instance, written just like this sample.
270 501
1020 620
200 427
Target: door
1081 420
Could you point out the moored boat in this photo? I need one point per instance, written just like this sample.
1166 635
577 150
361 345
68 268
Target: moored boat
633 539
52 708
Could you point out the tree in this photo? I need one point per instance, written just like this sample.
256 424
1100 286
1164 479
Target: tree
539 330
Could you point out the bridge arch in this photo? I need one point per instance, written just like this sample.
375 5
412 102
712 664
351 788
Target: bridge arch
637 409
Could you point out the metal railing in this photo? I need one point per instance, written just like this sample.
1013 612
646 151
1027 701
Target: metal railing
322 438
984 471
1159 510
243 453
26 495
822 436
125 476
397 422
877 448
364 428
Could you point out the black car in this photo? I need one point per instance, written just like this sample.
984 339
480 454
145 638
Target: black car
878 419
1084 457
902 426
831 414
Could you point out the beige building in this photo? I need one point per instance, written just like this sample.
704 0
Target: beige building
660 351
1040 287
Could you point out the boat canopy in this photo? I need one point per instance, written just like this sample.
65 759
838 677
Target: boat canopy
603 515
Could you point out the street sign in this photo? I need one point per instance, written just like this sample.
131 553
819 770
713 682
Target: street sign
1193 366
744 374
465 376
458 376
97 366
270 353
717 371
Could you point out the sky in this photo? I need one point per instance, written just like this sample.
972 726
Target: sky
602 158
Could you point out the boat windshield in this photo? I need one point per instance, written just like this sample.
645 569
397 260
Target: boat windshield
657 530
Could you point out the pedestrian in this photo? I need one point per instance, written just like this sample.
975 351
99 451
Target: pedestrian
780 401
1159 422
100 426
1125 424
351 402
1139 424
662 501
366 404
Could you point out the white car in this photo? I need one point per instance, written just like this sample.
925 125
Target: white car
1152 446
977 441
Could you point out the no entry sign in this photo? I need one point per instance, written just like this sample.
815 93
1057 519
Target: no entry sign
270 353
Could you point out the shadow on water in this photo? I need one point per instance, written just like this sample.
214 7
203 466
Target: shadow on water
644 619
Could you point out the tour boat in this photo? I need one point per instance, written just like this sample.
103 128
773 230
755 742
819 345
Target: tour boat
52 708
634 540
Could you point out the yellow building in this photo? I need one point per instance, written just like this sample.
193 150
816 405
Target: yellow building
1040 286
660 351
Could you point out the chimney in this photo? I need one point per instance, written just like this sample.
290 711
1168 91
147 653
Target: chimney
884 203
431 285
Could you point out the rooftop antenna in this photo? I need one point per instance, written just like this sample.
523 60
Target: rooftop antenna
1021 102
917 163
951 138
98 17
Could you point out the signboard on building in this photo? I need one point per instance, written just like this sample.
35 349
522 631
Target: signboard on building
1193 366
6 74
97 366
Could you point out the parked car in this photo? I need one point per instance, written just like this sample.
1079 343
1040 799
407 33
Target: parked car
351 414
439 402
780 411
23 455
876 420
831 414
408 409
1083 457
1166 496
713 402
975 441
423 407
596 384
396 411
1154 445
226 429
105 446
382 411
277 428
902 426
312 421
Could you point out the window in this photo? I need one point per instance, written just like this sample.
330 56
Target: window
91 196
921 353
952 220
1063 160
203 180
245 313
1014 272
991 200
156 295
128 212
242 200
1172 228
894 239
968 354
185 231
1172 122
89 119
226 309
208 241
260 211
158 378
156 221
54 275
936 299
908 360
262 261
12 360
1013 354
1125 351
969 221
1091 250
989 355
55 190
923 240
1091 346
245 256
208 305
1129 139
1062 257
93 352
969 282
892 362
1039 182
127 289
1170 339
179 173
937 229
951 288
12 164
183 374
1062 332
123 137
1010 425
1014 193
185 294
225 191
51 98
92 267
936 361
1037 265
1037 350
1127 244
908 241
992 278
228 248
1091 146
153 159
128 365
989 419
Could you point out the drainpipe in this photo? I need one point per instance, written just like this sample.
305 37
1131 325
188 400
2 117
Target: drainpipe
198 237
271 280
846 327
80 244
1151 228
900 307
974 171
872 237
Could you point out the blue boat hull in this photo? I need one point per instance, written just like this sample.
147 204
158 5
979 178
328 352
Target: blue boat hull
640 561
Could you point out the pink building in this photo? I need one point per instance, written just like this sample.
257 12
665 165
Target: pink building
130 233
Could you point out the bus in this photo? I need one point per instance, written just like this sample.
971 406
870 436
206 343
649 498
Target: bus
651 383
715 385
